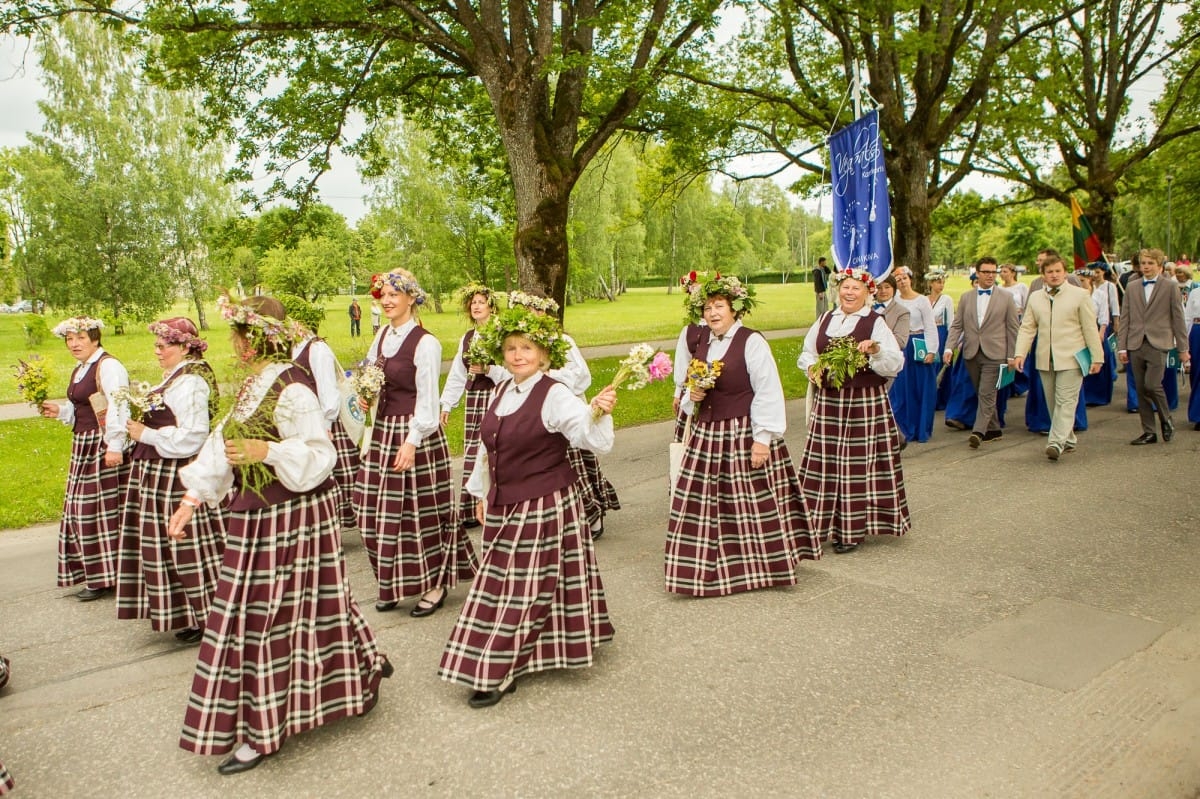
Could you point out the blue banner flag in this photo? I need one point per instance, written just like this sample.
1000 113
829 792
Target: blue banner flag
862 219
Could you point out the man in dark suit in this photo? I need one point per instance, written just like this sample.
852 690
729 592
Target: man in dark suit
1151 325
987 323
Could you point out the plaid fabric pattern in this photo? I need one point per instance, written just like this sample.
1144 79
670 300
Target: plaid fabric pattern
171 583
851 474
537 602
597 494
734 528
475 404
344 471
680 426
285 646
6 780
91 523
412 536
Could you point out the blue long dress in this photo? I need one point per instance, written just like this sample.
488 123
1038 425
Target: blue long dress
1037 413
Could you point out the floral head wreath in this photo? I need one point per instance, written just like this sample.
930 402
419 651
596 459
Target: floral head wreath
261 329
541 329
179 330
935 274
468 292
76 324
702 288
520 299
405 284
861 275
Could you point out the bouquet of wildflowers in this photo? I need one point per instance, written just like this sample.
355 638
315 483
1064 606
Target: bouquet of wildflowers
702 374
141 399
642 366
478 353
840 361
367 381
32 381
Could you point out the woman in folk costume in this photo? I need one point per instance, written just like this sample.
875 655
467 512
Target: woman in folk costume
851 474
6 780
475 380
685 346
738 521
170 582
599 496
322 372
1191 318
943 315
90 530
914 394
1098 388
404 489
1010 282
537 602
285 647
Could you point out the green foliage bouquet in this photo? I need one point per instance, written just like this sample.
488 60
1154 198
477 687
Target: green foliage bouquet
840 361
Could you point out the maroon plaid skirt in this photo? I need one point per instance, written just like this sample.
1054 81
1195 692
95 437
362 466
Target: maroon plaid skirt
475 404
6 780
596 492
285 646
851 474
734 528
169 582
91 522
537 602
344 472
409 528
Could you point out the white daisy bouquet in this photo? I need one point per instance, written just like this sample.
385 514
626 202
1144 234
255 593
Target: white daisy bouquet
140 397
642 366
367 381
478 353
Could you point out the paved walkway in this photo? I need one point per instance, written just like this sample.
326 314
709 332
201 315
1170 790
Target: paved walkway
1037 635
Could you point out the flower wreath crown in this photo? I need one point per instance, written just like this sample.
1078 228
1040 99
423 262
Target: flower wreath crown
400 282
172 336
519 299
518 320
700 288
467 292
861 275
261 329
77 324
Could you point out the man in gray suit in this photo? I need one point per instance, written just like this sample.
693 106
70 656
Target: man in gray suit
987 323
1151 324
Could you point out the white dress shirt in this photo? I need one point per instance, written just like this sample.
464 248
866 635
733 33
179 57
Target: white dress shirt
428 359
458 376
1100 303
302 459
187 398
1191 310
562 412
575 374
112 375
886 363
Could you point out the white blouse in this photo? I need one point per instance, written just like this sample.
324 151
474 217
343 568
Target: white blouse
428 360
575 374
921 312
187 398
458 376
886 363
943 311
302 459
768 415
1100 303
1191 311
325 373
112 375
562 412
1020 295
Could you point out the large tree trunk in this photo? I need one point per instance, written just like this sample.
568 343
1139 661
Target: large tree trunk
912 215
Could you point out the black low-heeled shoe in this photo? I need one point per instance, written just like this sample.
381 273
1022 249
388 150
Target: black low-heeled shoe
430 608
489 698
384 607
842 549
91 594
235 766
388 669
190 636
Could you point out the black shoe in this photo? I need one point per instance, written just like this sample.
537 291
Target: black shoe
384 607
1145 438
425 608
91 594
597 532
1052 452
189 636
1196 426
993 435
235 766
842 549
470 524
974 441
954 424
489 698
1168 431
388 669
903 442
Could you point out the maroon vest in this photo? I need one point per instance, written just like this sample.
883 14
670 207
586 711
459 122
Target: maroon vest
533 460
78 393
162 417
478 382
398 396
732 395
304 362
263 418
862 332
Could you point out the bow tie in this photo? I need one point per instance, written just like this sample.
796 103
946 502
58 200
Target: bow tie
988 292
717 337
1052 291
879 306
1149 282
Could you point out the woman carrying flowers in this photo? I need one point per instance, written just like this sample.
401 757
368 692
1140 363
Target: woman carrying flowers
473 373
403 491
853 483
537 602
685 346
89 532
285 646
737 516
170 582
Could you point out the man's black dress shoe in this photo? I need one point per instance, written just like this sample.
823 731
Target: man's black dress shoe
189 636
489 698
235 766
1168 431
91 594
1145 438
425 608
993 435
384 607
842 549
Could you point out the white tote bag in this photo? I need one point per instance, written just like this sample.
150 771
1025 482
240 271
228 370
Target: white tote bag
676 450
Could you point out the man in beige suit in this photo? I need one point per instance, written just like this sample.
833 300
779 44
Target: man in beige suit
987 323
1151 324
1064 320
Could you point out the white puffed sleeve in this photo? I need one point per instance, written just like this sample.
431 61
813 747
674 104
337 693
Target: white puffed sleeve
304 457
187 397
426 418
575 374
768 416
112 375
456 380
564 413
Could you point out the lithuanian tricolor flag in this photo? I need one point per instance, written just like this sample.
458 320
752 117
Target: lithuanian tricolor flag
1087 245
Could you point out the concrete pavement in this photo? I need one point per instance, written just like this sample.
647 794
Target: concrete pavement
1037 635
